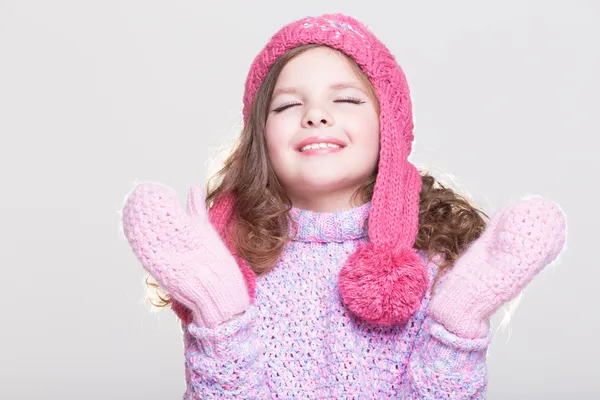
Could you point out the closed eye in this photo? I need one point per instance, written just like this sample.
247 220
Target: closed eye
354 100
285 106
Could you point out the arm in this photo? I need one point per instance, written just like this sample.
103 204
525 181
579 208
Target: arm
448 361
445 366
190 261
225 362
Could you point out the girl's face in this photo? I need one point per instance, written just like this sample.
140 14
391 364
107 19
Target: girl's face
320 100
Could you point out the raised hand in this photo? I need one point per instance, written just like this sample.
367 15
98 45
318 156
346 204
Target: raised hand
183 252
518 243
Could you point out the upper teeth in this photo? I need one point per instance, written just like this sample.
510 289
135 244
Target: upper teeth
319 146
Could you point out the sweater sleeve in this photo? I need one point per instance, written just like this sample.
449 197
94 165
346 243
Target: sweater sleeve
445 366
225 362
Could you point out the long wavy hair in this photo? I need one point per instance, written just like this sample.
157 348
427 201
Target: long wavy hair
448 222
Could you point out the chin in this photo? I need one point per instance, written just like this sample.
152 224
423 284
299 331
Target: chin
327 183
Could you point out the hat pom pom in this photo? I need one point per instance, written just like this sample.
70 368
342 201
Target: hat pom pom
383 286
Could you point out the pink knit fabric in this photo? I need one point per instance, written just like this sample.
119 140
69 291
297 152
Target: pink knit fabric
517 244
298 340
385 280
185 254
220 215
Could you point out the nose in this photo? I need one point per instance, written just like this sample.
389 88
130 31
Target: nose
317 117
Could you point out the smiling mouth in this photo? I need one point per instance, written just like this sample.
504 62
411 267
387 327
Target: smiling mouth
319 146
314 149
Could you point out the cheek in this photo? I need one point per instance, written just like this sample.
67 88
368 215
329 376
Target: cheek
365 134
277 142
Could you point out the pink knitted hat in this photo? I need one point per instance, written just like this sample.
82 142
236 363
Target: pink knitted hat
384 280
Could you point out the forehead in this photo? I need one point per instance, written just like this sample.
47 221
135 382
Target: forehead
320 65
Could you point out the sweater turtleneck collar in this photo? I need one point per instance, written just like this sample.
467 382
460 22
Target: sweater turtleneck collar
337 226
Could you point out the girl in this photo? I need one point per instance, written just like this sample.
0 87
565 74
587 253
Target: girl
327 267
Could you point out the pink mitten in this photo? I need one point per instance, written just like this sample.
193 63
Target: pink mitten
517 244
184 253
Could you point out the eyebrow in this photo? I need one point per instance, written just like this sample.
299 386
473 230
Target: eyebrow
335 86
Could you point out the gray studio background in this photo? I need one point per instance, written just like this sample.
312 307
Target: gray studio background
96 95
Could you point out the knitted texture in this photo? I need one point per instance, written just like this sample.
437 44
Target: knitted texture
518 243
184 253
385 280
298 341
220 215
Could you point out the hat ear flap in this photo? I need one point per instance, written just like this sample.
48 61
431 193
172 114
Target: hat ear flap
384 280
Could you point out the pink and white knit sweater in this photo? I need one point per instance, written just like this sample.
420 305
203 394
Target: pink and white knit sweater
299 342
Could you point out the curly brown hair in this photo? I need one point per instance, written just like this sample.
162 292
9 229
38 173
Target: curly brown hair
448 222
